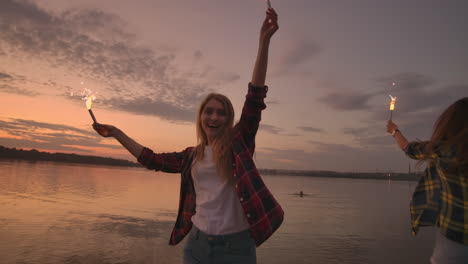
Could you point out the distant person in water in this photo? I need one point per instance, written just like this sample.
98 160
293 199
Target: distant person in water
441 197
224 203
301 194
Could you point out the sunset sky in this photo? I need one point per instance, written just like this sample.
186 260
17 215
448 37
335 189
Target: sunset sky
150 63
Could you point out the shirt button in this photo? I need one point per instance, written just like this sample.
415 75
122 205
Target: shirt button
248 215
241 199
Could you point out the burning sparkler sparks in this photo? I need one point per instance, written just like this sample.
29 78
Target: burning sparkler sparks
89 97
392 105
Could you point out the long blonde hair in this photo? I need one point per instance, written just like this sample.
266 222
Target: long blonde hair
451 128
221 145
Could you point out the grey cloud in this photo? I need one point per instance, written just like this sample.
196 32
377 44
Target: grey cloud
8 84
97 24
280 131
227 77
347 101
11 78
420 100
355 131
210 72
414 102
59 137
96 44
374 135
276 130
11 10
25 143
271 129
148 106
414 92
197 55
272 102
418 125
405 81
381 141
301 52
310 129
5 76
334 157
31 124
83 46
5 88
331 147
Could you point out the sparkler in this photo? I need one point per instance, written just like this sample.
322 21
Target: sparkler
392 105
89 102
269 3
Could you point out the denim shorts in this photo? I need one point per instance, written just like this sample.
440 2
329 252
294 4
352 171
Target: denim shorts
202 248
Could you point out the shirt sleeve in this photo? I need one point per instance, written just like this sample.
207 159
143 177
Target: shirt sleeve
251 113
416 149
166 162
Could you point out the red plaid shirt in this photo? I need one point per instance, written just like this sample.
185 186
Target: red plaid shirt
262 211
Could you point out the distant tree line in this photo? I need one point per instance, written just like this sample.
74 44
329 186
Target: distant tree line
33 154
352 175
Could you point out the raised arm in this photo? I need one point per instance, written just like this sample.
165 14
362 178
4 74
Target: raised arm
269 27
111 131
254 103
402 142
415 150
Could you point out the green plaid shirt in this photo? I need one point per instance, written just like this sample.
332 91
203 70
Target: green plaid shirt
441 197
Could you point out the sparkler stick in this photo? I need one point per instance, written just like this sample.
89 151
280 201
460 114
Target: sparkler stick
392 105
269 3
92 115
89 102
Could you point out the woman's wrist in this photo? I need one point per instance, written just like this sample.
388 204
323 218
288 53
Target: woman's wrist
264 41
395 131
116 133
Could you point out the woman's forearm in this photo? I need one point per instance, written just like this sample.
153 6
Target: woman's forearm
131 145
401 140
260 68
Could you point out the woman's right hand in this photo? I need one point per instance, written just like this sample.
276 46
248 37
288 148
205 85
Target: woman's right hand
105 130
391 126
270 24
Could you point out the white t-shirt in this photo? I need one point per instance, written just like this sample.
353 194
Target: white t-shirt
218 210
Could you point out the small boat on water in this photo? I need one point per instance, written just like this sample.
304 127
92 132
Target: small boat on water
301 194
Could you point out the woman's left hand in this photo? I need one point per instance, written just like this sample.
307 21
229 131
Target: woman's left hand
270 24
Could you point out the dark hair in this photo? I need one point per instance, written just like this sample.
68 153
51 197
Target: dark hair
451 128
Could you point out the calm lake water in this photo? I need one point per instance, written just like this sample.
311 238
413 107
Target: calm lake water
65 213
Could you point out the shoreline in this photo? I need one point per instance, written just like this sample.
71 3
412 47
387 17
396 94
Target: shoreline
35 155
347 175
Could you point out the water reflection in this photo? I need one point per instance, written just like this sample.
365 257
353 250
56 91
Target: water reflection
65 213
131 226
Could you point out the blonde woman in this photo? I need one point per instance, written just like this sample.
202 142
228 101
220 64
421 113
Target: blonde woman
224 205
441 197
